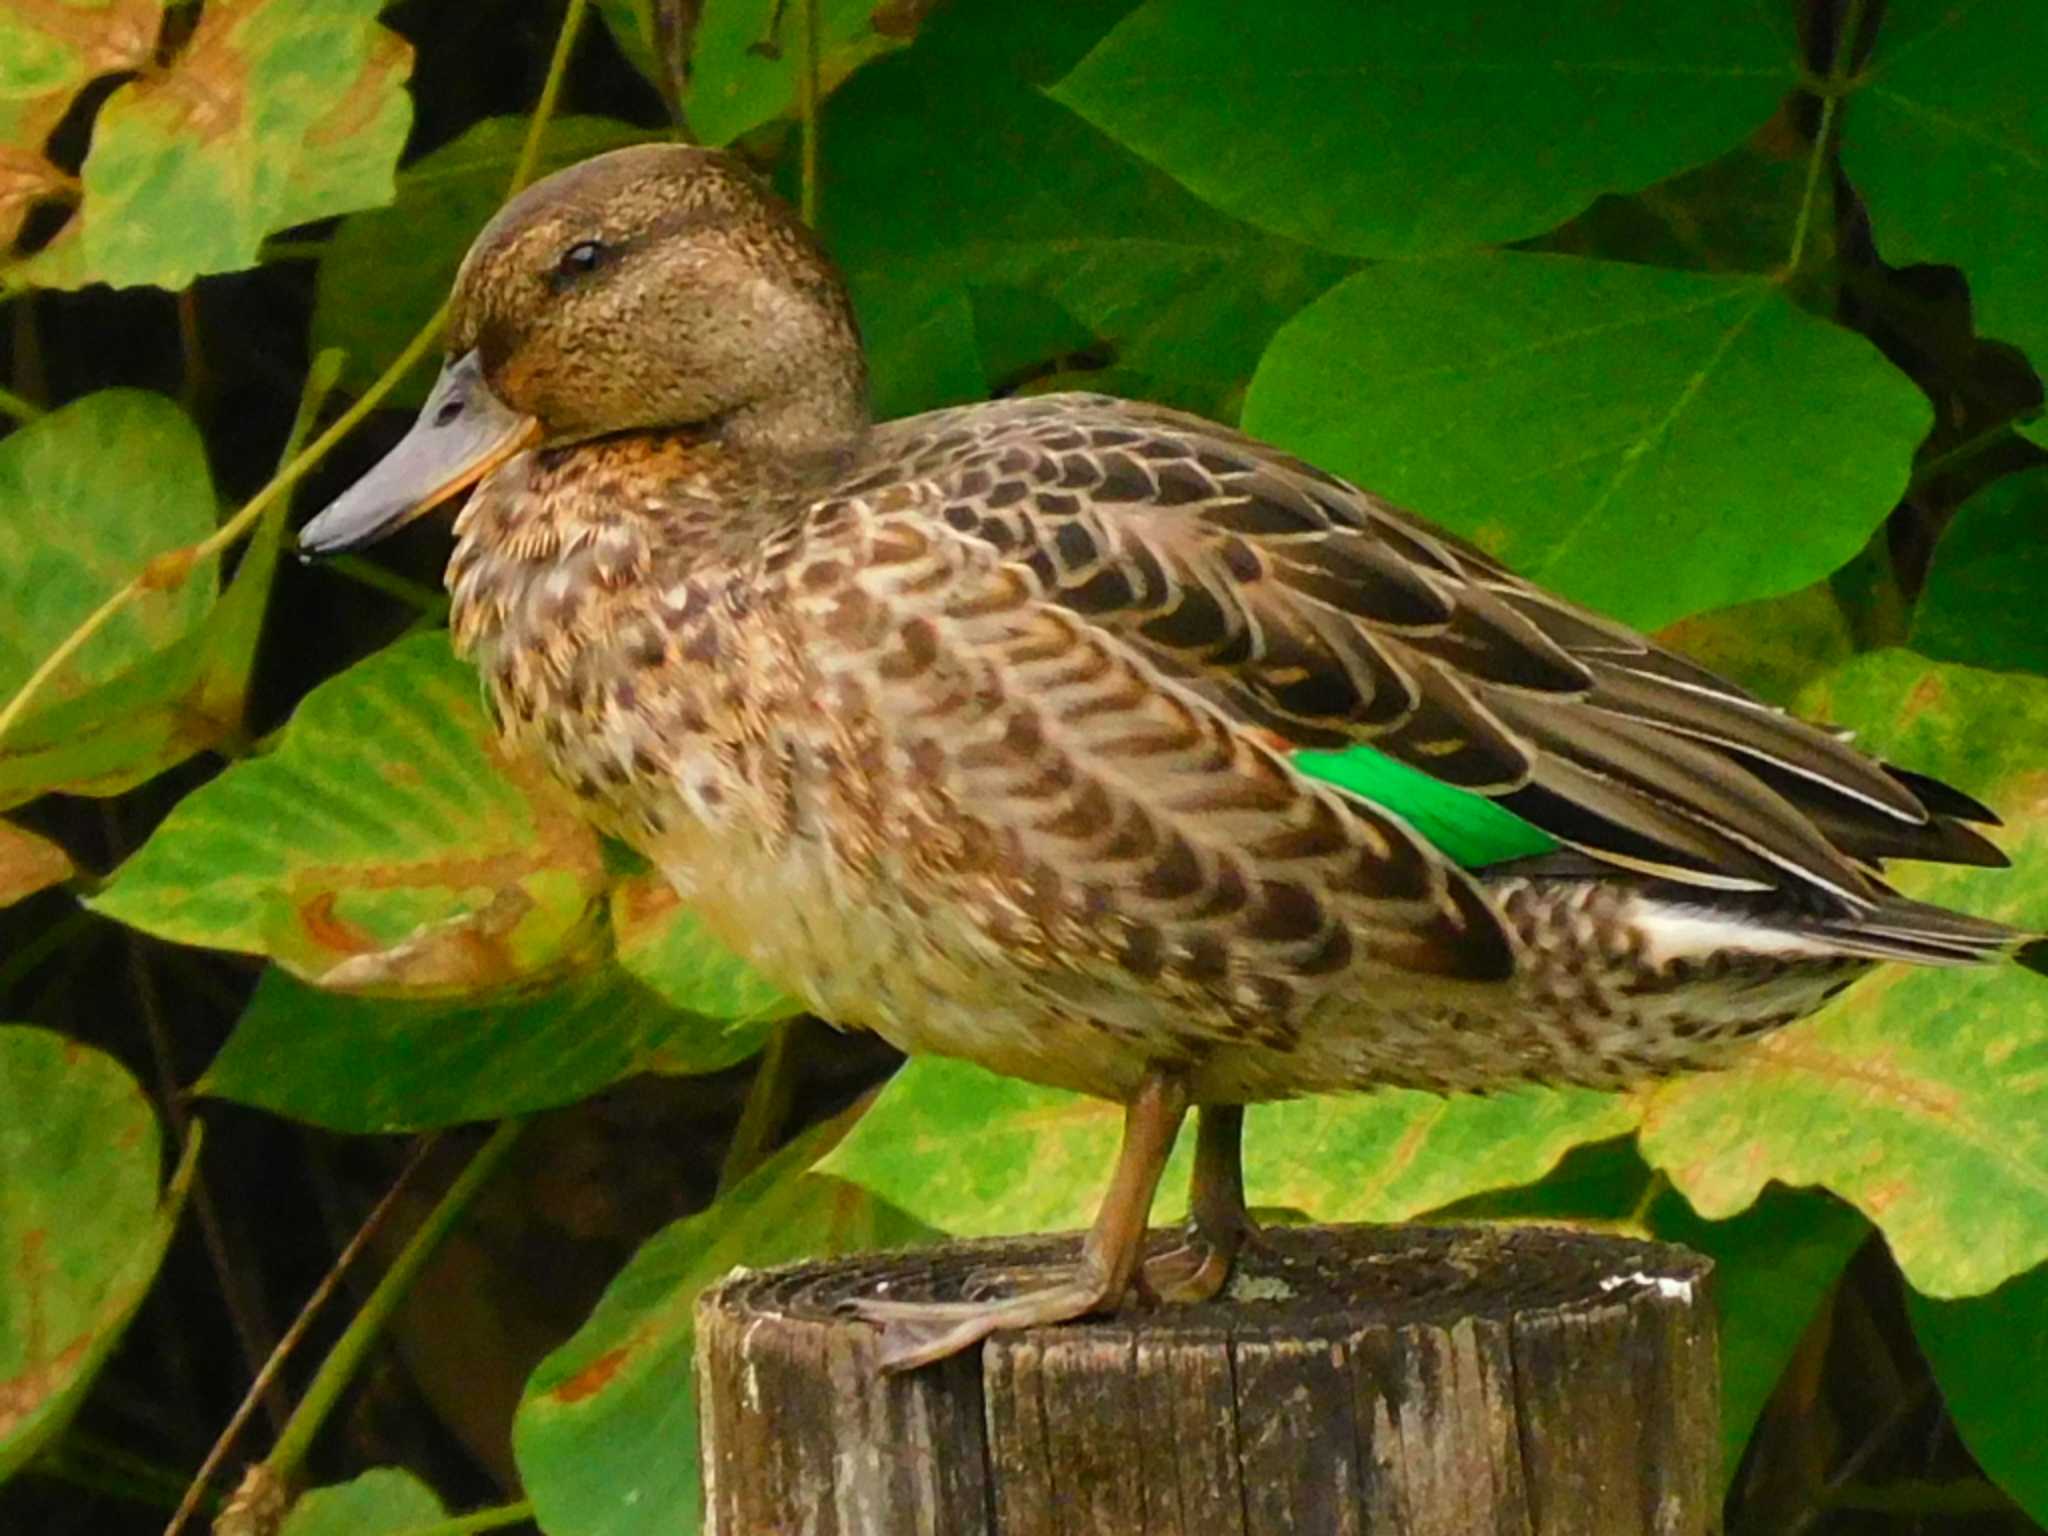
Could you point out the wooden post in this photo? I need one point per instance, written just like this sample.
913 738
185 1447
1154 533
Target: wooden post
1406 1381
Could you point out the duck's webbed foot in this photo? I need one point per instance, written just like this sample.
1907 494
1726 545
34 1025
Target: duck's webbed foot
1219 1225
917 1333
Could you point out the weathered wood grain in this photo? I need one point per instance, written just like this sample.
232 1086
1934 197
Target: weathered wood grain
1358 1380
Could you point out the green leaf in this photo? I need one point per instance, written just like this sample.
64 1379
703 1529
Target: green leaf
976 1155
1774 1264
385 824
1402 130
1983 600
385 1501
1947 142
378 1065
385 272
606 1436
274 113
1990 1357
1394 1153
1074 239
1583 419
186 698
29 863
1921 1095
82 1226
47 54
663 946
89 495
2035 430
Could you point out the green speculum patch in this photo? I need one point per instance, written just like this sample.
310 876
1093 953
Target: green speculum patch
1469 829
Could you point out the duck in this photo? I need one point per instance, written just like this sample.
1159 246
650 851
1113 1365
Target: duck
1095 742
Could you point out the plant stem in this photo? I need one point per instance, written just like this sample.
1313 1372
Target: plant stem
1831 91
429 602
353 1347
477 1520
259 1387
231 530
766 1110
550 91
809 88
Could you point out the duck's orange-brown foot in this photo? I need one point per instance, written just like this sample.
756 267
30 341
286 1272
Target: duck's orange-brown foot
1219 1225
917 1333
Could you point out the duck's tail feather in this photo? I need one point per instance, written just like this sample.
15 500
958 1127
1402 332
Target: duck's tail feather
1922 934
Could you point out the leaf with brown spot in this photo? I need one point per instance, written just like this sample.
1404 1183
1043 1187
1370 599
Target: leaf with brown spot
274 113
49 50
82 1225
606 1436
1921 1095
385 812
29 863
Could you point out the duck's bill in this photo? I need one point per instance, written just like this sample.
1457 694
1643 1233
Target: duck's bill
463 433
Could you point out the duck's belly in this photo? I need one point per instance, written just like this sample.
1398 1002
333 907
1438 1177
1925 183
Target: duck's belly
928 979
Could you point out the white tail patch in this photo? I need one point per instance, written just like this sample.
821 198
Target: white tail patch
1676 932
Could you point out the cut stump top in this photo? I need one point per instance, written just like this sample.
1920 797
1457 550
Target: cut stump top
1396 1380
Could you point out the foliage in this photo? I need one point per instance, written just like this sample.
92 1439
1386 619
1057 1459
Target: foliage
1622 294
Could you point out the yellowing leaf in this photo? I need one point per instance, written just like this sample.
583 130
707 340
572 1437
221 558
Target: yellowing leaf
1921 1096
28 863
274 113
82 1225
387 807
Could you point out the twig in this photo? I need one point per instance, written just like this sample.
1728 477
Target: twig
354 1345
195 1491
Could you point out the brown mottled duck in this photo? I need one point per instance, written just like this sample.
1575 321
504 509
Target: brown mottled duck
1094 742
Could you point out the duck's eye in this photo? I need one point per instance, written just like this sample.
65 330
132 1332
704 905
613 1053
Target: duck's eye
582 258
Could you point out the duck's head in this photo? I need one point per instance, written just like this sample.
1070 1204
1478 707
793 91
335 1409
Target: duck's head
651 288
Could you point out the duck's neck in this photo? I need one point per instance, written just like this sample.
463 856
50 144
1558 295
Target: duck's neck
817 416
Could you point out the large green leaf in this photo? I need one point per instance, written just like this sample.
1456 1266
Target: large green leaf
385 272
386 810
975 1155
1774 1263
47 53
1985 596
89 495
183 699
746 57
606 1435
1921 1095
1947 141
274 113
1401 130
967 276
1588 420
374 1065
385 1501
1990 1355
82 1225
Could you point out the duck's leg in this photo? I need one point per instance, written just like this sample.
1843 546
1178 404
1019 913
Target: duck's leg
1218 1222
917 1333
